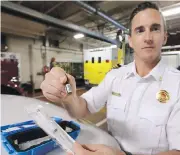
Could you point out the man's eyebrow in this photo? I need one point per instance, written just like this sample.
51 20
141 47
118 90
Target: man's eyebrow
153 25
156 25
139 27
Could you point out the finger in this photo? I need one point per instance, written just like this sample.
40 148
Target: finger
87 148
52 97
51 93
78 149
59 86
72 82
68 153
77 146
93 147
50 89
61 94
51 79
59 73
71 79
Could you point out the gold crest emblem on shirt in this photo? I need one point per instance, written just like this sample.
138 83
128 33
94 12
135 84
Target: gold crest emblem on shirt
162 96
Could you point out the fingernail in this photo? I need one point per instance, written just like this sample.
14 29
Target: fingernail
63 94
62 79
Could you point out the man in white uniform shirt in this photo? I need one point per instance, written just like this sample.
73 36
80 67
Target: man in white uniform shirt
142 98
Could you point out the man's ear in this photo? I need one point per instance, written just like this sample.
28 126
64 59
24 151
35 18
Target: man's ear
165 38
130 41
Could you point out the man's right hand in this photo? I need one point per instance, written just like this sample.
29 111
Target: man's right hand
53 87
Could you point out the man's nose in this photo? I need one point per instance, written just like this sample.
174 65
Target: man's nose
148 37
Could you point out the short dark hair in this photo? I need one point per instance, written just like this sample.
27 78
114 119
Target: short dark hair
141 7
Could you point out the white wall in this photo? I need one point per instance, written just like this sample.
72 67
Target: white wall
63 55
171 58
21 45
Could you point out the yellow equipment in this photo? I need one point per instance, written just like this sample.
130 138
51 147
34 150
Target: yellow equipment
99 61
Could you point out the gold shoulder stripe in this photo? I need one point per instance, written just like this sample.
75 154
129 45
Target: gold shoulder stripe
116 66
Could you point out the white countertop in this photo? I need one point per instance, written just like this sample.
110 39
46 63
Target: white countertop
12 111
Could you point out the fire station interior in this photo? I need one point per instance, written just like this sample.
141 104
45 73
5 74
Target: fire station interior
85 38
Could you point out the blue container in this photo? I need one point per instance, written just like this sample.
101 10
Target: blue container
15 134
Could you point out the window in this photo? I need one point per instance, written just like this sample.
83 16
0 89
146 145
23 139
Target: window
92 59
99 59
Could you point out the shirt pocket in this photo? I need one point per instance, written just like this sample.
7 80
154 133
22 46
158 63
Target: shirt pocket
116 110
157 115
152 118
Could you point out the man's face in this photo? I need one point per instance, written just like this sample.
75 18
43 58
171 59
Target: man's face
147 35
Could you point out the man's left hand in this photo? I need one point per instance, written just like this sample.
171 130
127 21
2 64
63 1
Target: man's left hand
95 149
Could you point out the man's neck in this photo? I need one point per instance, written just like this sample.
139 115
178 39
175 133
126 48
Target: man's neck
143 68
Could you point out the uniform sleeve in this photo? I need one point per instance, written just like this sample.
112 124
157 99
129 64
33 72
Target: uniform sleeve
173 128
96 97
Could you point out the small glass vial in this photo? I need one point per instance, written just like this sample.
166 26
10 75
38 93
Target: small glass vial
68 87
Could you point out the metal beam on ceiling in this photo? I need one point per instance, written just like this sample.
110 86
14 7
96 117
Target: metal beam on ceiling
20 2
113 13
75 14
72 15
121 17
91 9
27 13
54 7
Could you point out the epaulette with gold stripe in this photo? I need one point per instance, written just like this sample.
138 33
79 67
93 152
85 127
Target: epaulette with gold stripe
116 66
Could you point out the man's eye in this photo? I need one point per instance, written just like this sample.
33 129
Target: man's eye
140 30
155 29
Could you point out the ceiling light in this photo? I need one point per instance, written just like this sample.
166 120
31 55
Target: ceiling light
78 36
172 33
113 46
172 11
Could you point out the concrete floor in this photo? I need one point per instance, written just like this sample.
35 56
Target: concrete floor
98 119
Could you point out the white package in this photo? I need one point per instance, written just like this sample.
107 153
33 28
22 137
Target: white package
51 127
28 144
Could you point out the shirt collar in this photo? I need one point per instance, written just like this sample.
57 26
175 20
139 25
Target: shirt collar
131 70
156 72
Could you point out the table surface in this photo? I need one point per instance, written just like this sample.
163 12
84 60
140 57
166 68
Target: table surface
12 111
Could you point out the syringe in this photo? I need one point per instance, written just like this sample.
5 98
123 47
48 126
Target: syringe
51 127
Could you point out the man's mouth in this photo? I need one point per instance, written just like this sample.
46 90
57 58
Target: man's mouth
148 47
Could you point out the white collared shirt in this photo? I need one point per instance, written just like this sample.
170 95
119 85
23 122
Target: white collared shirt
136 118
